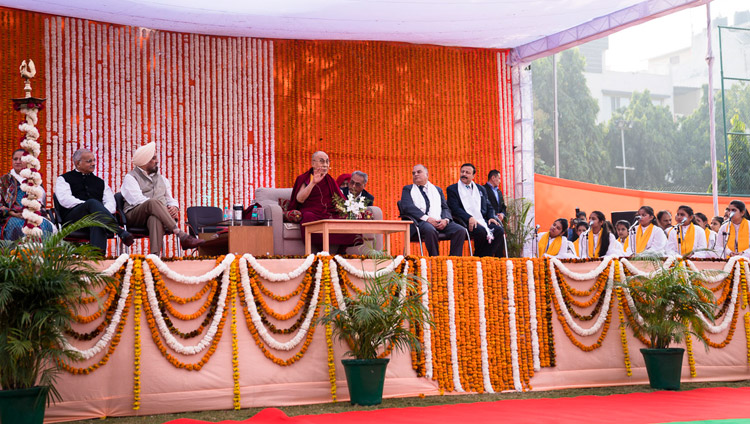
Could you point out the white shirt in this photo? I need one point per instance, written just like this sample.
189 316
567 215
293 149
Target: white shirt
133 194
699 241
721 240
567 249
68 201
656 244
615 247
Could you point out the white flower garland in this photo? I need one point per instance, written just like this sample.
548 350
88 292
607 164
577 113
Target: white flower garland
452 326
427 329
513 329
581 277
532 315
124 293
728 267
368 274
159 318
635 271
116 265
486 381
304 328
715 329
602 315
185 279
631 303
276 277
335 282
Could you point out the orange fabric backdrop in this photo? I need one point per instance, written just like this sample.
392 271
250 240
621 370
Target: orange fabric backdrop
558 198
376 106
384 107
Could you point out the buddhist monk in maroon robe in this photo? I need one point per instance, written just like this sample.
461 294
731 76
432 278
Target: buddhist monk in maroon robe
313 194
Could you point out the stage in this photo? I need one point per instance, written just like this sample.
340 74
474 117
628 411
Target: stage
489 335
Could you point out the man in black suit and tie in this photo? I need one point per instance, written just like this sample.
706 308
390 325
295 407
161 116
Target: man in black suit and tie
357 184
496 200
425 202
468 201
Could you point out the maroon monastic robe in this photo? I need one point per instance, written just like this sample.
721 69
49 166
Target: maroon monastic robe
319 205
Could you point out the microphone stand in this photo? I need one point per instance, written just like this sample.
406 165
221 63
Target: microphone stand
536 241
585 236
679 239
726 239
631 231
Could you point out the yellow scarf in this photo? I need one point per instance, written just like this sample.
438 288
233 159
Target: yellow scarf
553 249
742 243
594 250
688 240
641 238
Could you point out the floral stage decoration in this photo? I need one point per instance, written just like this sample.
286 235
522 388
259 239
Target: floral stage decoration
493 318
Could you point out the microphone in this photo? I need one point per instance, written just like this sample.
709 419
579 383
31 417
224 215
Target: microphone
537 227
591 223
637 218
731 214
683 220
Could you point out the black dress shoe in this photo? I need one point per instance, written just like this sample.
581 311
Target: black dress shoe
126 238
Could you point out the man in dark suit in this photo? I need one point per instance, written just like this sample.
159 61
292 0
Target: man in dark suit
425 203
468 201
357 184
495 196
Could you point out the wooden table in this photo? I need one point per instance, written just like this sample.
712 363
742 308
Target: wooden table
254 239
357 226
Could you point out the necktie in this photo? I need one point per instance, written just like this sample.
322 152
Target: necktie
423 190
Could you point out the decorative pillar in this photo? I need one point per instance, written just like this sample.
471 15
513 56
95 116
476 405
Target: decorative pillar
523 139
29 106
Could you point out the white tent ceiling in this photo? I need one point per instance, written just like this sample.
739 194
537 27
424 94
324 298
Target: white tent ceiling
533 28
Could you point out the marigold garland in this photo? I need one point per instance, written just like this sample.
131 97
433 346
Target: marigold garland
136 279
137 303
691 357
329 327
233 283
163 349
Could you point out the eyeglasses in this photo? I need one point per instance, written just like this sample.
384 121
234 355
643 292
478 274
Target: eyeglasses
323 161
352 183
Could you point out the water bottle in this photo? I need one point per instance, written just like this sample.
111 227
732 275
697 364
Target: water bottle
226 213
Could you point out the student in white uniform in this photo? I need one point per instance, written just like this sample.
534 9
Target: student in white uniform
701 220
598 242
734 236
554 244
686 237
647 238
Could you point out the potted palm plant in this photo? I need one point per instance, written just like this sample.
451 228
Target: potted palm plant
41 281
373 321
670 304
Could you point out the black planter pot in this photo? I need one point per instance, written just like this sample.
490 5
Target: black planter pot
664 367
365 378
23 406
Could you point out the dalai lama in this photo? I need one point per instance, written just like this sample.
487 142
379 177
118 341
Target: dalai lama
313 195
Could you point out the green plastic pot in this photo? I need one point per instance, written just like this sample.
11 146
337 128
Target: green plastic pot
23 406
365 378
664 367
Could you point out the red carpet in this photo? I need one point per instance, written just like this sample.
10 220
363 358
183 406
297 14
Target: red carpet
657 407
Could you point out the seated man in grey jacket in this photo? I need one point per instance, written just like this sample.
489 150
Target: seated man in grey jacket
149 201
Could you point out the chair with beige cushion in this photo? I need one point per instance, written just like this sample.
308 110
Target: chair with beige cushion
287 236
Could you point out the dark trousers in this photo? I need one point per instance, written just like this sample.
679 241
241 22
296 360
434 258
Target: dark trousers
454 232
482 246
97 236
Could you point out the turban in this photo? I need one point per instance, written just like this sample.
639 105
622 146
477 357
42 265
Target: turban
343 178
144 154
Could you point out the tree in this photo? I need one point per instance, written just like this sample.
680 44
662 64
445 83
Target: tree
650 143
582 153
739 160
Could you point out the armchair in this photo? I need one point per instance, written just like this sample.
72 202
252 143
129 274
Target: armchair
287 236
